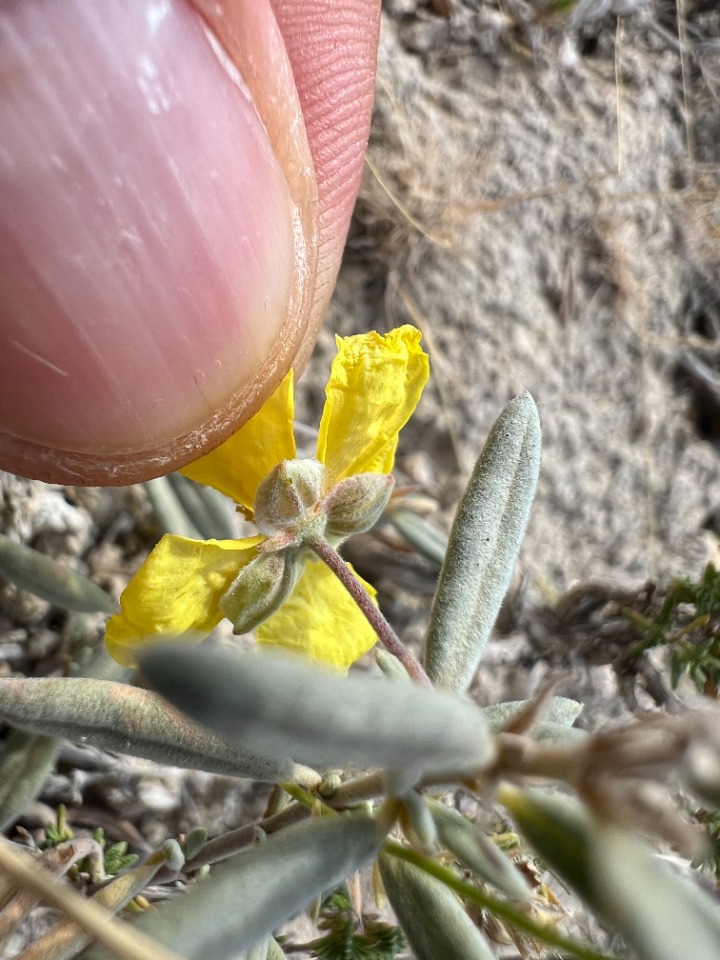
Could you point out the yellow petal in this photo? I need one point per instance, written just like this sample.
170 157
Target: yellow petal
374 386
320 620
175 593
237 466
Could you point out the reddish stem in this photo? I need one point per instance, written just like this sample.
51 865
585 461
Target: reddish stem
377 621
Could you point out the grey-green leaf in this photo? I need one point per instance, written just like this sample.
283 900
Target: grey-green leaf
60 585
258 952
28 758
168 509
279 705
428 541
431 916
477 852
26 762
247 897
560 830
487 533
116 716
560 710
659 913
208 510
275 951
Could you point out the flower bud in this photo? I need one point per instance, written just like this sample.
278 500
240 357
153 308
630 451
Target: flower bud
286 494
356 504
259 590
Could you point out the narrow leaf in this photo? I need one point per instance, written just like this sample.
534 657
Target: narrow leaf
275 951
25 764
428 541
279 705
659 913
169 511
115 716
258 952
391 666
431 916
207 509
28 758
474 850
561 711
60 585
487 533
560 830
247 897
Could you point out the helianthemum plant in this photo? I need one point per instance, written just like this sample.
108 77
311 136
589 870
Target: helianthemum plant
274 582
353 756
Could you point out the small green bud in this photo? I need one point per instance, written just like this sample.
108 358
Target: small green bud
356 503
259 590
286 495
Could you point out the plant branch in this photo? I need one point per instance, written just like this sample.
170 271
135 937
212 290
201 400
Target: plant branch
377 621
97 922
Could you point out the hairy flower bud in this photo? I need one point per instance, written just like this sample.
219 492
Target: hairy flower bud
356 504
288 492
259 589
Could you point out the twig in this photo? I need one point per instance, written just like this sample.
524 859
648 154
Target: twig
125 941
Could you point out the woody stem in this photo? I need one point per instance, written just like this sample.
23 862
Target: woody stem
377 621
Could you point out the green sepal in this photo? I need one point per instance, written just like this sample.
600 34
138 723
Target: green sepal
260 589
287 495
356 503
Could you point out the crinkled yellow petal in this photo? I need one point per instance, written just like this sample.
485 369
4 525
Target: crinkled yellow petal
175 593
237 466
374 386
320 620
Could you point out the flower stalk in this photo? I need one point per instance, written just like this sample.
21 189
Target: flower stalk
387 636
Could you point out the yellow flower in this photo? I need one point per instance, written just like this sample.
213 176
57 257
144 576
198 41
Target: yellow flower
374 386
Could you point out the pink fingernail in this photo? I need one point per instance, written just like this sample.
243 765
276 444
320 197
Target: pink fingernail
146 232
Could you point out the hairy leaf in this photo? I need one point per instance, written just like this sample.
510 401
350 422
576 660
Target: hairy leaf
247 897
26 762
560 830
115 716
279 705
28 758
60 585
658 912
431 916
487 532
477 852
560 710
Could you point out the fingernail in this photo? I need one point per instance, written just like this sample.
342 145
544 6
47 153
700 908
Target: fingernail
147 247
